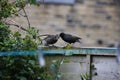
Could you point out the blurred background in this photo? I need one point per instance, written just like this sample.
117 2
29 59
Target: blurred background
96 21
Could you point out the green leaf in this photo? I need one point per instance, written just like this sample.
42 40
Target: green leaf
33 2
20 3
17 34
23 78
55 68
66 61
54 61
59 75
32 62
68 46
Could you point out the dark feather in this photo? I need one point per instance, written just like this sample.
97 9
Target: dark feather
51 39
69 38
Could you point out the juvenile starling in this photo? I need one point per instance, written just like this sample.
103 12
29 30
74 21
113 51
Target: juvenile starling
69 38
51 39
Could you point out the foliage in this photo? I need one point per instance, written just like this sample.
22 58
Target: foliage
68 46
55 68
19 67
14 42
85 76
22 67
7 9
4 32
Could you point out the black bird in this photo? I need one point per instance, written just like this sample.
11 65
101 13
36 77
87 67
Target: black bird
51 39
70 38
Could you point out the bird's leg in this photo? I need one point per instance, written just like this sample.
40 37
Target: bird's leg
72 44
54 46
66 44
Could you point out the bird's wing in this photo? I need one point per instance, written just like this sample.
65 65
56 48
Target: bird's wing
68 35
71 36
48 37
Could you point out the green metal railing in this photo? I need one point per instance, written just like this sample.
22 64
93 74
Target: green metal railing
84 51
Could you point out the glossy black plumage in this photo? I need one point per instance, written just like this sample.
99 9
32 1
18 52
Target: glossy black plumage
69 38
51 39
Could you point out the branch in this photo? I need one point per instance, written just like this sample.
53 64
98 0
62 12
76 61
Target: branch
17 26
44 35
26 17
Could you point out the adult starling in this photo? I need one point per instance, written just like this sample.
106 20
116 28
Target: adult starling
69 38
51 39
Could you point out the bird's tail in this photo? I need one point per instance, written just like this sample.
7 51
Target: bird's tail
80 38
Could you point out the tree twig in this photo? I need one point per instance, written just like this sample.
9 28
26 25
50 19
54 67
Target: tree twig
44 35
17 26
26 17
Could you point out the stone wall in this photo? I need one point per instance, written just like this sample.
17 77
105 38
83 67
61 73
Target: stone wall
96 21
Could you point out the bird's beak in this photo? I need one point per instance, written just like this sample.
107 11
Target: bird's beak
57 36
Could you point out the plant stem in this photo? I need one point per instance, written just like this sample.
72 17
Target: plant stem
17 26
26 17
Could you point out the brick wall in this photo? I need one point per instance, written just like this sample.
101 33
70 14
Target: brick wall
96 21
